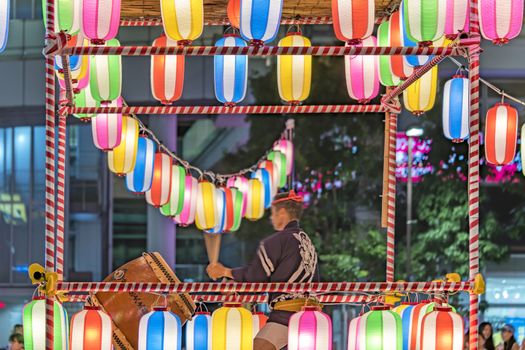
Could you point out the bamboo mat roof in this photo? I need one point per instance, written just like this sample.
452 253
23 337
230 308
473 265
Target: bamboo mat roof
215 10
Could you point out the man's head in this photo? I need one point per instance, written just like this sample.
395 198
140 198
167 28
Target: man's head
16 342
286 207
18 329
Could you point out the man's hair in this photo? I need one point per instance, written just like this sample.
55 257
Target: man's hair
293 208
19 338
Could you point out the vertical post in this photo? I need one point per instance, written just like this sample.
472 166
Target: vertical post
60 202
473 171
391 120
410 141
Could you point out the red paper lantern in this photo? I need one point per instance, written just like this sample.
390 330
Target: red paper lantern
501 134
159 193
234 12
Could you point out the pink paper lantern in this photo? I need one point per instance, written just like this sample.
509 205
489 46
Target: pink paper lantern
310 329
286 147
362 74
187 215
241 183
457 19
500 20
100 20
107 128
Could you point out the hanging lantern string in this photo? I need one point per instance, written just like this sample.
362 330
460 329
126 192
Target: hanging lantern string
490 85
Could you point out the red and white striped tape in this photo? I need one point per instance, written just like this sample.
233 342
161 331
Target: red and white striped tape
152 22
391 198
60 201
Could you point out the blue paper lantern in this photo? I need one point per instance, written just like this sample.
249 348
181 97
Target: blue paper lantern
198 332
220 211
160 330
140 179
231 73
264 176
456 110
4 23
405 311
260 20
412 60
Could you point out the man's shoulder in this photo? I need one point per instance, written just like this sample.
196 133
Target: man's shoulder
284 235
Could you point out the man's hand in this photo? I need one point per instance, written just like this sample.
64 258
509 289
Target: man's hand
218 270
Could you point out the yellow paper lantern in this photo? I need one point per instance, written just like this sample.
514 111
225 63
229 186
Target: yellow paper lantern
121 160
419 97
254 200
205 216
183 20
232 328
294 73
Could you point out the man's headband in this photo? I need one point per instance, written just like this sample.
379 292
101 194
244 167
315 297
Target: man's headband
292 196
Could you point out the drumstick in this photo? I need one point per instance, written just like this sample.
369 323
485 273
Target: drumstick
213 246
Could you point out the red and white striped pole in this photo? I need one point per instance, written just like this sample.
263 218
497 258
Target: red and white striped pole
60 197
391 197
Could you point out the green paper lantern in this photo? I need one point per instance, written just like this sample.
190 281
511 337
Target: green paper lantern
106 75
34 318
386 76
234 206
280 160
424 20
378 328
67 15
176 202
85 99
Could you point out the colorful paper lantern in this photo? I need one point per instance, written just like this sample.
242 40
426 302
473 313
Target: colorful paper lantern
121 160
310 329
419 60
259 320
380 329
234 12
405 312
167 73
79 77
4 23
67 16
275 174
205 215
160 329
420 97
183 20
456 102
178 183
85 99
264 176
198 332
220 212
241 183
106 75
442 329
232 328
353 19
187 214
279 160
286 147
260 20
353 333
396 29
362 75
230 73
34 317
457 19
425 20
500 20
386 74
100 20
417 313
234 206
254 200
106 128
74 60
91 329
501 133
159 193
139 180
294 73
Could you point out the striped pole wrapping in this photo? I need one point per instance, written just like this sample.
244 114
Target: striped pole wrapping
391 119
67 78
314 109
154 22
60 195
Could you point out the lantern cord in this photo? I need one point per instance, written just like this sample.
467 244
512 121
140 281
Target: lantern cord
490 85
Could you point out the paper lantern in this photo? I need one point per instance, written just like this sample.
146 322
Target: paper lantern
4 23
234 206
501 133
362 75
419 60
91 329
234 12
85 99
241 183
167 73
456 102
205 216
275 175
279 160
254 200
442 329
34 317
420 97
187 214
159 193
160 329
286 147
74 60
353 19
294 73
100 20
396 29
353 333
198 332
230 73
425 20
79 77
178 183
67 16
183 20
106 75
121 160
260 20
379 329
232 328
417 313
457 18
386 74
220 212
139 180
259 320
106 128
405 312
264 176
310 329
500 20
